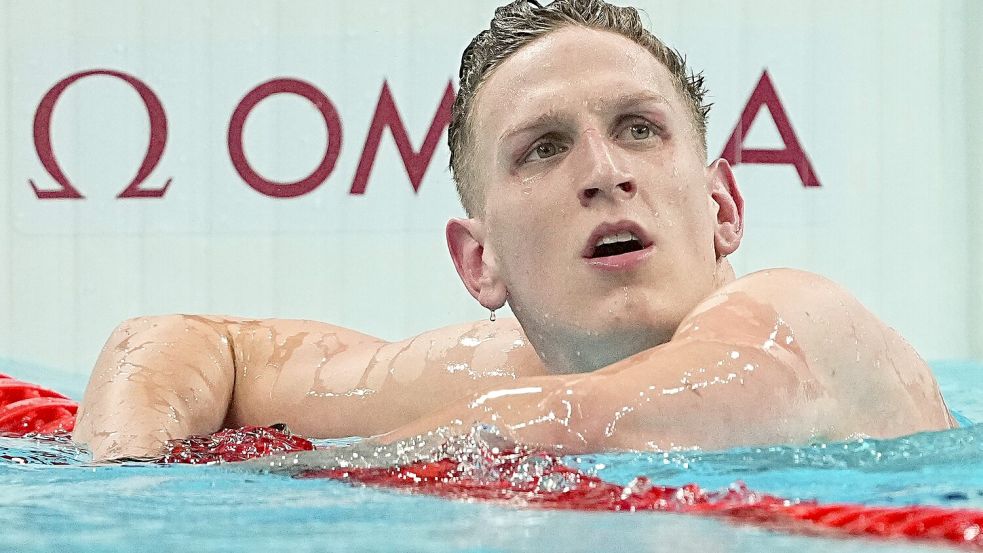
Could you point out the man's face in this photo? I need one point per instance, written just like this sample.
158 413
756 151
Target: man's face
597 211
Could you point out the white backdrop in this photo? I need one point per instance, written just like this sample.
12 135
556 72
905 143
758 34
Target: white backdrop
882 96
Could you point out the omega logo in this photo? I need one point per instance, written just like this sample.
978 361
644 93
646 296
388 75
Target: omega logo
415 162
46 153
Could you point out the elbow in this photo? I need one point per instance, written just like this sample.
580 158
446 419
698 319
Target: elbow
152 366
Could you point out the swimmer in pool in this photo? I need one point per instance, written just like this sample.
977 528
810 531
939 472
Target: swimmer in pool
578 146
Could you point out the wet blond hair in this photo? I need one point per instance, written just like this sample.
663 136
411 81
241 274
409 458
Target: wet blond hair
522 22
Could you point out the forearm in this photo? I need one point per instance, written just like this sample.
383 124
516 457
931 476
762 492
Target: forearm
156 379
542 411
696 394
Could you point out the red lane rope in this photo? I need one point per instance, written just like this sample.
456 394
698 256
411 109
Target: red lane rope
561 487
535 480
234 444
26 408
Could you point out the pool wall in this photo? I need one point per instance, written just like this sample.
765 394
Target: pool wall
882 97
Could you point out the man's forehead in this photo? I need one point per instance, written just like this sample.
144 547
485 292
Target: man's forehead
576 67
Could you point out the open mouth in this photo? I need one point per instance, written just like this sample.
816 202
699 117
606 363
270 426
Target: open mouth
620 246
613 239
616 244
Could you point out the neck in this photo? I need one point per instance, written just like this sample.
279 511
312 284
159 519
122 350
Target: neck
571 350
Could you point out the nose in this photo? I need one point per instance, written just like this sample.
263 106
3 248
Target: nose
607 177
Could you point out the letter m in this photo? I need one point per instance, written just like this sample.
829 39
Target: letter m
415 162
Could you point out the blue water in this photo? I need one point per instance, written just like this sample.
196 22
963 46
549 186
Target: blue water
49 507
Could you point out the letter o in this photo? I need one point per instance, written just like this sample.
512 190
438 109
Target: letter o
238 121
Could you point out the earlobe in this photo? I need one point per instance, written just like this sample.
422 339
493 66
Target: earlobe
475 263
730 208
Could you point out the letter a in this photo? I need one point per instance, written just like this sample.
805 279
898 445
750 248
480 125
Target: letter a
793 154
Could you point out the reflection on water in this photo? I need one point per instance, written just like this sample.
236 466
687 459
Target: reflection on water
41 450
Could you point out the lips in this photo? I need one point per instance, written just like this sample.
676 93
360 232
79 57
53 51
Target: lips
617 246
615 239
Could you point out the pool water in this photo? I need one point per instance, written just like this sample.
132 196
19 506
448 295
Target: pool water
51 501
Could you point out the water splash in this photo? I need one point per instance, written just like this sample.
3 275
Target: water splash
41 449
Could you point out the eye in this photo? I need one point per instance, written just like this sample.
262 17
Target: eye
635 128
545 150
640 131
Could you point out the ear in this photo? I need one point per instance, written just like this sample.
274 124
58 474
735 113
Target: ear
475 262
729 204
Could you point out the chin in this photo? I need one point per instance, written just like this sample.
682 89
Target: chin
586 337
613 326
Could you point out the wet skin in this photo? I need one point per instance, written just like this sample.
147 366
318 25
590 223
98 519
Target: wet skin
779 356
578 131
167 377
656 348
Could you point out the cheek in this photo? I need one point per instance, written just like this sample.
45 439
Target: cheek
700 233
512 234
700 215
528 251
528 215
685 220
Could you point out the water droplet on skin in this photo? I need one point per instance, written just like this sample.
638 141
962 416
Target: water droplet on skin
457 367
470 341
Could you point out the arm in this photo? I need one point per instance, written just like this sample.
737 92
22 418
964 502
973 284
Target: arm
156 379
168 377
323 381
684 394
776 357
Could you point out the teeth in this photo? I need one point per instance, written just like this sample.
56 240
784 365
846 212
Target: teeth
615 238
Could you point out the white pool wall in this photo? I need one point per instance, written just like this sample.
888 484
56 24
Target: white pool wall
883 96
974 156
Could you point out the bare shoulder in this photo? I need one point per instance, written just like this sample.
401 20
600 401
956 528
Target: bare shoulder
818 313
794 295
865 363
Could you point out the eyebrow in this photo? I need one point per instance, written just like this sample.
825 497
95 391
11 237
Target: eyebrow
636 98
553 118
550 118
